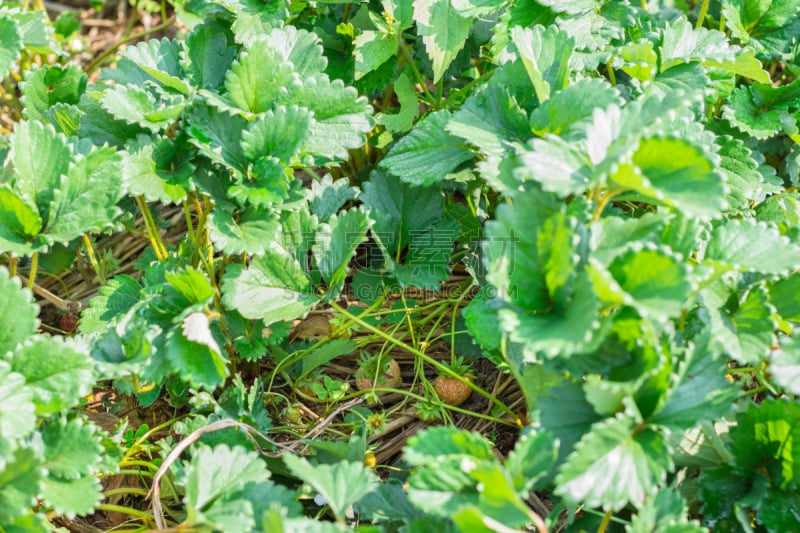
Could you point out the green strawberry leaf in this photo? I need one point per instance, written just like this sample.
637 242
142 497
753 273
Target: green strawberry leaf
427 263
57 374
65 118
784 366
493 121
683 43
440 444
99 125
17 418
20 479
256 79
116 298
207 57
341 116
40 157
139 106
86 200
149 166
675 172
327 196
372 49
194 353
399 210
638 60
300 47
161 61
742 329
613 235
20 225
18 313
746 185
443 30
664 512
51 84
403 120
274 288
34 28
251 232
653 280
533 456
568 111
749 246
72 497
615 464
764 441
557 164
545 52
770 27
10 44
213 473
336 244
277 133
71 449
746 113
341 484
218 136
698 391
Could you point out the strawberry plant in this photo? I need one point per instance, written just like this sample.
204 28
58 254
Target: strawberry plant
594 203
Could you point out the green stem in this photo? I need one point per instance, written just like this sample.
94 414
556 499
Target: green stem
124 472
137 462
125 510
125 490
602 203
612 77
753 392
410 58
87 243
12 265
443 369
34 268
152 229
702 15
605 522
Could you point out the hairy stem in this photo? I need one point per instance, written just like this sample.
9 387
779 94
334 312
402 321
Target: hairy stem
702 15
87 243
152 230
34 268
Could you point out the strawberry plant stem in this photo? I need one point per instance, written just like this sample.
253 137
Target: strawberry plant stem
87 243
702 15
147 517
152 229
125 490
606 520
443 369
34 268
